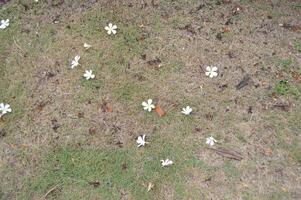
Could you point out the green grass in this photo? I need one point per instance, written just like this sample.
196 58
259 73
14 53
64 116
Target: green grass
297 46
230 170
288 128
282 87
127 92
40 159
285 64
130 170
296 5
285 87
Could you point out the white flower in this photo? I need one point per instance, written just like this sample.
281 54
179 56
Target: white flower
148 105
166 162
74 62
4 108
87 46
89 74
4 23
111 29
210 140
141 140
36 0
150 186
211 71
187 110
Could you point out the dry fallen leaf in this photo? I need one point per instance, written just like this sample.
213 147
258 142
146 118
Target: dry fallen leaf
226 29
296 76
159 111
106 107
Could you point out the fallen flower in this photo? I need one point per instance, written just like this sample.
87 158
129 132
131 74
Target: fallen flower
4 108
4 23
166 162
87 46
210 140
187 110
89 74
111 29
148 105
74 62
211 71
141 141
150 186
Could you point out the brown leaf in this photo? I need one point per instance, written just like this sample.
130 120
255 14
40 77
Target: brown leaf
109 108
80 115
124 166
92 131
244 82
94 183
290 27
226 29
283 106
55 124
219 36
159 110
106 107
296 76
41 105
189 29
228 153
154 62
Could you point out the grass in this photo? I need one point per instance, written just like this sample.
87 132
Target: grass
297 46
116 170
296 5
282 87
93 154
285 64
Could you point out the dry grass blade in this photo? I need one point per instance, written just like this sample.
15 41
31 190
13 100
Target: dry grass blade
49 191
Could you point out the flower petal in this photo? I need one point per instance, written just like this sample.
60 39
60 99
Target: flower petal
214 74
144 104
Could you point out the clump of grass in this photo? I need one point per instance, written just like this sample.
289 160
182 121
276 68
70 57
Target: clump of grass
128 91
93 84
297 46
296 5
285 64
230 170
282 87
177 65
108 171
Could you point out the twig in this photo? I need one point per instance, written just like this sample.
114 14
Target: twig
228 153
49 191
18 45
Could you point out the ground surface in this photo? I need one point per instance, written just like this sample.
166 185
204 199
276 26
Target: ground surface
68 138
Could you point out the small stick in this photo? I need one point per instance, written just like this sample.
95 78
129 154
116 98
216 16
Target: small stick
49 191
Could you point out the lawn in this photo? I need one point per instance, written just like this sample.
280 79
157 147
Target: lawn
72 138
